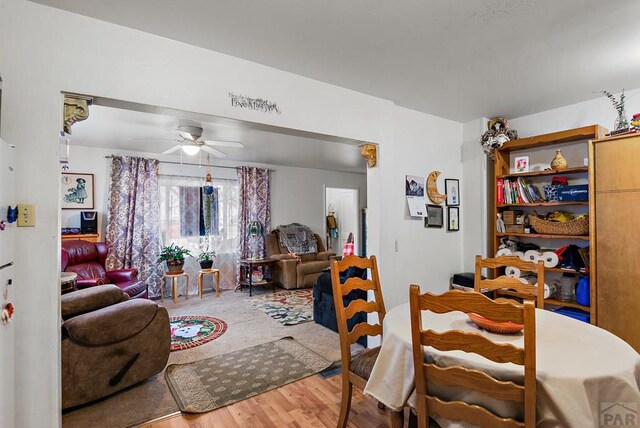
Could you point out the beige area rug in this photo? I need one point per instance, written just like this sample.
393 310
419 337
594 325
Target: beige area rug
247 326
208 384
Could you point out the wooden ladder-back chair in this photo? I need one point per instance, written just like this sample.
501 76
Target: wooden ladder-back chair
503 284
356 370
469 378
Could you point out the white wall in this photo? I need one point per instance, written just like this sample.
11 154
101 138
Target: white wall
474 191
297 194
426 256
598 111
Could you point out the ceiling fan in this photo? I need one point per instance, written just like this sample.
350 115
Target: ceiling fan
191 142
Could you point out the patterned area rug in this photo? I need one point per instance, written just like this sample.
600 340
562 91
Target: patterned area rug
191 331
288 307
208 384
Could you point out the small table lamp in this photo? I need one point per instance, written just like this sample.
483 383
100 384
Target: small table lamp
254 231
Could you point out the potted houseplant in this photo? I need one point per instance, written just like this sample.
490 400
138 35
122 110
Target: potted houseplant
206 259
174 256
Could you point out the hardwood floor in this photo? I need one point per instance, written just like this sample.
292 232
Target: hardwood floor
310 402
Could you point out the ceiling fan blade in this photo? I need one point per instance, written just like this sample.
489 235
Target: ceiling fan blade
222 143
186 135
213 151
172 149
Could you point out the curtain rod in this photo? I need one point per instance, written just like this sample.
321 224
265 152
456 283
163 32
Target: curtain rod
191 164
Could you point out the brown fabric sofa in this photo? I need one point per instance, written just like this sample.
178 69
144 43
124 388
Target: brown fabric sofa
109 342
290 274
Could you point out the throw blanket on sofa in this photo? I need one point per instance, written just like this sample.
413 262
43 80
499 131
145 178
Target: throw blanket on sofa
297 238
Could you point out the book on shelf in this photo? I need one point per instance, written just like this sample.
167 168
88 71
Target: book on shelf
500 191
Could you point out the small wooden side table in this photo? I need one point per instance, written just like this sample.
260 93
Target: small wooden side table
246 268
68 282
174 285
214 272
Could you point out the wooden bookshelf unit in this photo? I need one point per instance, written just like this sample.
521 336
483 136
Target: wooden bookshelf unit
541 149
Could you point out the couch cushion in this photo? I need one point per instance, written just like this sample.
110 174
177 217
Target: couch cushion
132 288
309 257
311 267
111 324
88 271
362 364
90 299
80 251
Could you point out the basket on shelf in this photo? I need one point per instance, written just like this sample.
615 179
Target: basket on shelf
578 226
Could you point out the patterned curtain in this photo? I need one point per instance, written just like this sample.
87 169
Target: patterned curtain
254 196
133 218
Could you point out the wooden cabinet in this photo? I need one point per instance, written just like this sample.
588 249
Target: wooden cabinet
615 196
540 150
91 237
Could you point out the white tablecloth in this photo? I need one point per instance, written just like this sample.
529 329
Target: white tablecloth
580 368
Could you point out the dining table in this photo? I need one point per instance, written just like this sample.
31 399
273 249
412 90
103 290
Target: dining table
586 376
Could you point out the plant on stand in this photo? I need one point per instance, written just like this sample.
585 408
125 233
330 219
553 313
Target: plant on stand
206 259
174 256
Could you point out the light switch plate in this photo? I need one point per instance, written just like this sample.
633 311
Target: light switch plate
26 215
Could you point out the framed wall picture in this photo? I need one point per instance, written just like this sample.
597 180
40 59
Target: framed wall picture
452 189
434 216
453 219
76 191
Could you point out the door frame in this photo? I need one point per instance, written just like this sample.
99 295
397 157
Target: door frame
358 231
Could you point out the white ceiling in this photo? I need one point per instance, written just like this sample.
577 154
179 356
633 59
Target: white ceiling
459 59
126 129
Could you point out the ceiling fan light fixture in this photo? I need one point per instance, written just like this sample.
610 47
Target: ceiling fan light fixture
190 150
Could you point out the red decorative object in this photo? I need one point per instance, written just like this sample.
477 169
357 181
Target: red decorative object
495 327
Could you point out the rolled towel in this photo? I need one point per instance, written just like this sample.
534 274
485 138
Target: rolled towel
512 272
504 252
550 259
532 256
531 279
548 290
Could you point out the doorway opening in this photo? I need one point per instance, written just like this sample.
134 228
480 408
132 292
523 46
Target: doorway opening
342 208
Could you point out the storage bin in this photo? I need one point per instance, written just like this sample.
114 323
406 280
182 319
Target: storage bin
509 217
577 192
514 228
574 313
465 282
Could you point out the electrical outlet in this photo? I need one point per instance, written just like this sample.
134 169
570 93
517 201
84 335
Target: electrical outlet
26 215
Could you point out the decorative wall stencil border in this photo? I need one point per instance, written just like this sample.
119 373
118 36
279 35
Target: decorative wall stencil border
259 104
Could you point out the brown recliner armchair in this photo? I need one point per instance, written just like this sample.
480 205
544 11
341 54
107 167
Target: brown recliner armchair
87 259
109 342
288 272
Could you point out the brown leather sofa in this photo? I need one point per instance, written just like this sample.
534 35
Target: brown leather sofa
109 342
87 259
290 274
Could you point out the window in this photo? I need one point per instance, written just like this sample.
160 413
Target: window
224 243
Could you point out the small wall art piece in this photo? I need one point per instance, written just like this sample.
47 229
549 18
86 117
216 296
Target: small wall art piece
522 164
414 192
453 219
432 188
435 216
452 189
76 191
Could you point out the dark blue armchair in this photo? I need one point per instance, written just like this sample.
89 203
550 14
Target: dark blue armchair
324 310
